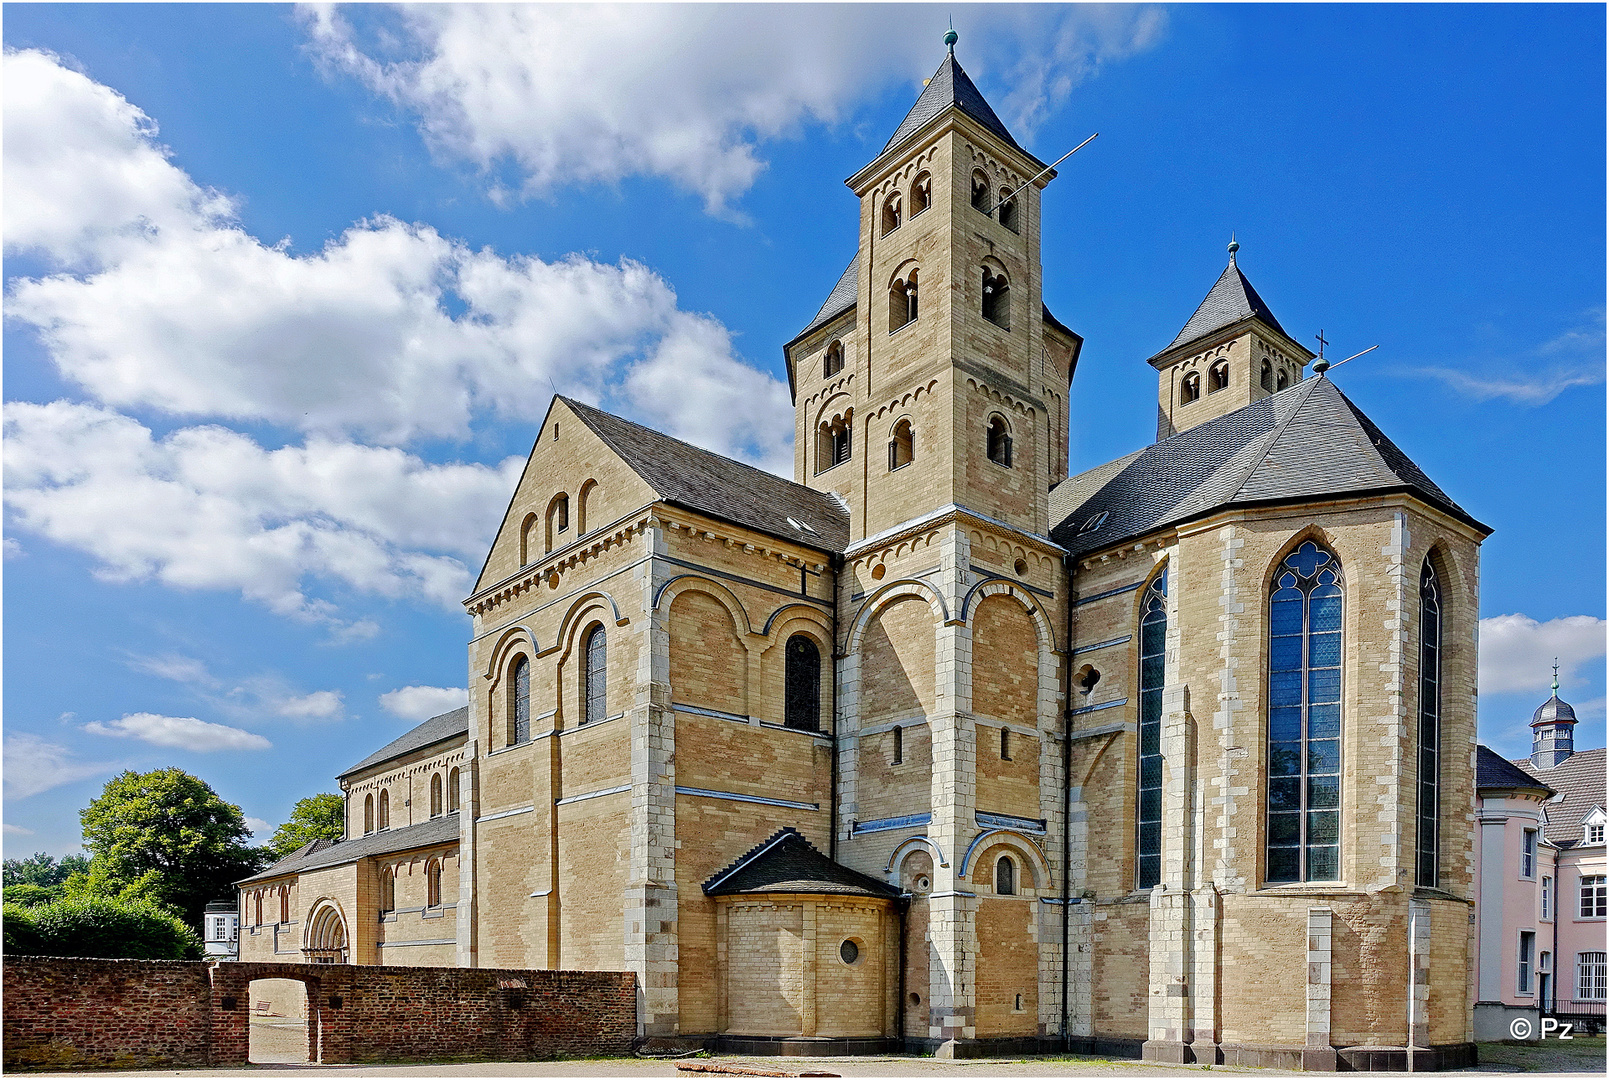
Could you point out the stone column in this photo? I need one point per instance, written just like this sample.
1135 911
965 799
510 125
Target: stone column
468 809
1318 1055
651 898
1418 976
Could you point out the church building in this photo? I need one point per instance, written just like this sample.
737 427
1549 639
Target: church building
934 746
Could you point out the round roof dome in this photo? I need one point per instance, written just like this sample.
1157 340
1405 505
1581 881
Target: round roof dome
1553 711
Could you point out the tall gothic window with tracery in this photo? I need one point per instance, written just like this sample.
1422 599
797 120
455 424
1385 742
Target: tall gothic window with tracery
1153 645
519 728
802 684
1304 717
595 677
1429 831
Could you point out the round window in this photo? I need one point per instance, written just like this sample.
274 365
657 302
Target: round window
849 952
922 884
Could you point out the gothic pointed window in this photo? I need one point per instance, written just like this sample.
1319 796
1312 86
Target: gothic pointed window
1190 388
834 362
1148 801
996 305
997 443
921 193
1008 210
1218 377
1304 717
519 702
802 684
1429 831
595 677
902 447
891 214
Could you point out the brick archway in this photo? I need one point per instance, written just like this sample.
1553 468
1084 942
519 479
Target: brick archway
328 989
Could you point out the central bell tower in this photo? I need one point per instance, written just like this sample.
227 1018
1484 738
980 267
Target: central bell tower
934 375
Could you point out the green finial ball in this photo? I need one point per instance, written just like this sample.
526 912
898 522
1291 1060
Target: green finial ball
1234 246
951 37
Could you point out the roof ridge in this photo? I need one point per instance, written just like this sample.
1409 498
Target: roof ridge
1279 429
754 853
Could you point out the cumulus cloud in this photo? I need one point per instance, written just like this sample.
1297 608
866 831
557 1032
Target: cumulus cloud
17 830
319 705
33 765
391 331
208 508
423 702
259 827
561 94
180 732
1517 652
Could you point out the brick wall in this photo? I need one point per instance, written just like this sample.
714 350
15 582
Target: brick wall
80 1014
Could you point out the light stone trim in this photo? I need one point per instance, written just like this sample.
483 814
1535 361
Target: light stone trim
600 793
505 814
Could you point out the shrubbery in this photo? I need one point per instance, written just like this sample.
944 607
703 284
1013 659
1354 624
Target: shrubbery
101 927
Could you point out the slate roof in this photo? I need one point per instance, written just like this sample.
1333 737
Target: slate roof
448 725
1492 770
695 479
840 300
950 85
1579 780
1552 711
1307 442
322 853
787 863
1230 300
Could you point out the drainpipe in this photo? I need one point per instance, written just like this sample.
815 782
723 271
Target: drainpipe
1067 813
902 905
836 562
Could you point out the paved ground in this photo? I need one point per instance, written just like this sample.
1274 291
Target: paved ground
276 1044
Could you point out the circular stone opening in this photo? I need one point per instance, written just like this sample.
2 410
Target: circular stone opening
916 999
878 571
553 581
922 884
849 951
1021 567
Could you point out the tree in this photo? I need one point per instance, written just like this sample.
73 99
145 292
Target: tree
317 817
98 926
167 836
42 869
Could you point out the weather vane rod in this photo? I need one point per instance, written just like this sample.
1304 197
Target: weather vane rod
1012 194
1324 365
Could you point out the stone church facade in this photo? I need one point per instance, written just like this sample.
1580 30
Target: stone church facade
934 745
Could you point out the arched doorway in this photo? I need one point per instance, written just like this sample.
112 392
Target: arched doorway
326 936
277 1034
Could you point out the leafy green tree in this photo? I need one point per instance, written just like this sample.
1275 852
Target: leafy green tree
165 836
317 817
42 869
99 926
30 895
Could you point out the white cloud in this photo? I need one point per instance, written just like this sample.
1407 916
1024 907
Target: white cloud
1533 382
1517 652
259 827
423 702
595 93
391 331
33 765
319 705
17 830
175 668
180 732
209 508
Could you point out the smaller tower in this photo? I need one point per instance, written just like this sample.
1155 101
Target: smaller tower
1231 352
1552 730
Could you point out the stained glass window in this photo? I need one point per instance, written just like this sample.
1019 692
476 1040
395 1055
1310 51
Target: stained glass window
595 678
1304 718
520 705
1429 832
1153 643
802 689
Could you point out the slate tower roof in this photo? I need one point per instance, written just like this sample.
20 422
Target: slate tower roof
1307 442
1230 300
950 85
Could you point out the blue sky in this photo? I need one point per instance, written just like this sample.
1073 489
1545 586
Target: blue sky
287 292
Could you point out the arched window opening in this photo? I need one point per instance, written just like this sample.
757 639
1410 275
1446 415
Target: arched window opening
802 684
1429 831
368 813
998 443
528 540
891 214
834 362
584 502
1284 379
519 702
284 904
1005 744
595 677
1008 210
452 791
1148 800
1005 876
435 796
258 895
921 193
326 937
833 443
980 191
997 299
388 890
433 883
902 307
1218 377
558 519
1304 717
902 447
1190 388
899 746
385 809
1268 376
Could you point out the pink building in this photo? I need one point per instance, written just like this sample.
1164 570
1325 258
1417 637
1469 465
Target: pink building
1541 897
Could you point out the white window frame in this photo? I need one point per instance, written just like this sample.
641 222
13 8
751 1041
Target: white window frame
1525 966
1528 854
1597 883
1547 898
1593 833
1591 976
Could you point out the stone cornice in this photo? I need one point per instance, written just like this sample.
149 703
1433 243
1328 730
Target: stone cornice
954 513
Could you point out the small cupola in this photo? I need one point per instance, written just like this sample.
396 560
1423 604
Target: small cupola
1552 729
